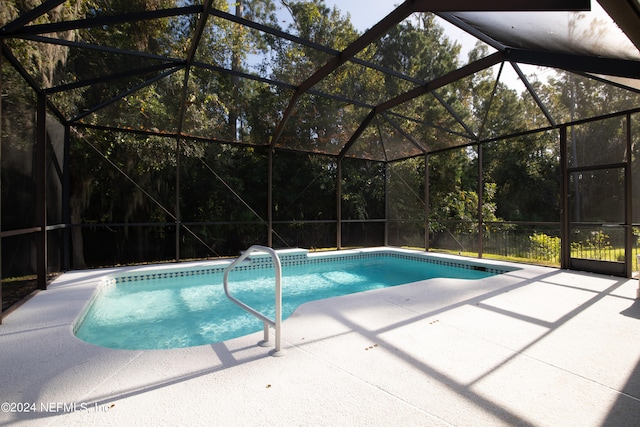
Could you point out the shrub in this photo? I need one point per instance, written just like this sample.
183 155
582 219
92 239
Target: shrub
544 247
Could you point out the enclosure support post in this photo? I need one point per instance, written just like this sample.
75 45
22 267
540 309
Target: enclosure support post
270 199
480 202
628 205
339 203
66 201
178 216
426 202
0 193
386 204
40 174
565 244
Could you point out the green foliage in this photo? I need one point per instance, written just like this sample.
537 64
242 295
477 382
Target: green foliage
311 195
597 245
363 191
461 206
526 172
544 247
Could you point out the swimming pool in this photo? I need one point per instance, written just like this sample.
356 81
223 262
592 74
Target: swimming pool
179 307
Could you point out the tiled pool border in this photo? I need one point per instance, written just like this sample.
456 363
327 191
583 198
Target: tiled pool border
291 257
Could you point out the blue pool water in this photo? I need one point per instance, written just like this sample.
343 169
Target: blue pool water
194 310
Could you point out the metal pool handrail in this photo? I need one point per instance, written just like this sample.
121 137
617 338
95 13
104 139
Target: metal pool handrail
277 322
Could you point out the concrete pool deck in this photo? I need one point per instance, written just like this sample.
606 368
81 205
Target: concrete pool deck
534 347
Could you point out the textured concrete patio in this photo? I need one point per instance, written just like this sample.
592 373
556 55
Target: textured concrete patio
533 347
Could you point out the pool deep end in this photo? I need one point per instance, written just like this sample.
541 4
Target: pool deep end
157 307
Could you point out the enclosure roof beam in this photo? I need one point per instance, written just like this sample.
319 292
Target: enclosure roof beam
487 105
357 133
270 30
278 83
125 93
571 62
243 75
439 82
501 5
444 80
608 82
540 130
108 78
432 125
33 14
453 113
173 135
99 21
177 63
534 94
6 52
404 133
195 41
108 49
197 36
